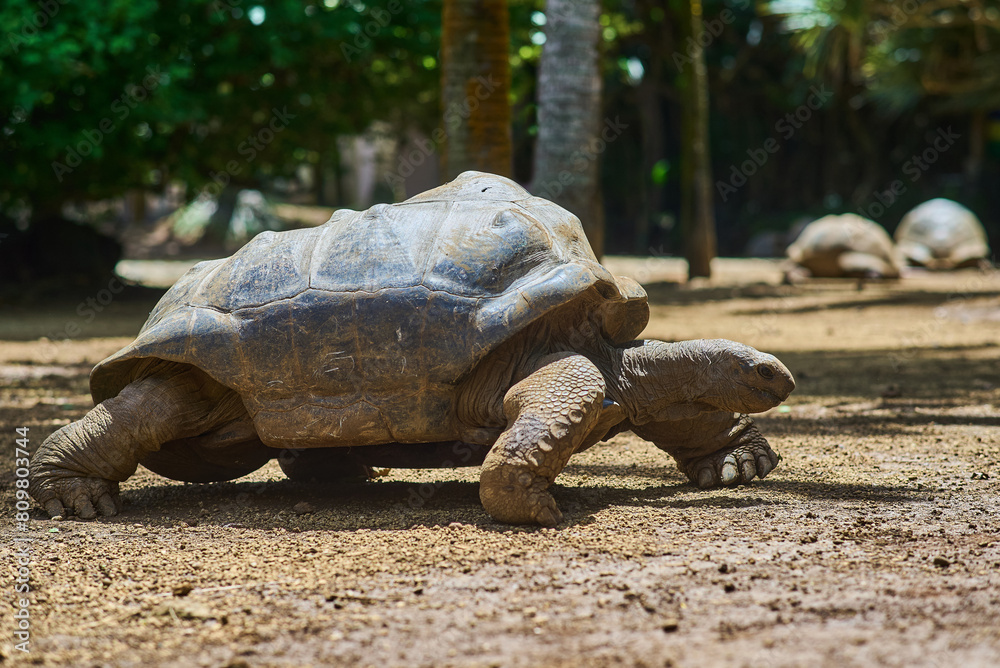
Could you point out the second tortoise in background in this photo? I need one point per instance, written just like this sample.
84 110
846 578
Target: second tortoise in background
845 246
942 234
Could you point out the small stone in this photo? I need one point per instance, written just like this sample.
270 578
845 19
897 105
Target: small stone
182 589
303 508
186 610
941 562
729 588
670 625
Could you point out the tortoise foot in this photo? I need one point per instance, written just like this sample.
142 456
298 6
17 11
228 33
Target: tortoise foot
515 495
736 465
62 492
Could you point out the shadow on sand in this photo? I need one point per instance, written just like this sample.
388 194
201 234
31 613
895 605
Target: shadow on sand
390 505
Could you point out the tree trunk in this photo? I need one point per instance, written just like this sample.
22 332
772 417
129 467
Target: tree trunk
569 145
217 230
652 95
475 86
697 210
653 150
973 165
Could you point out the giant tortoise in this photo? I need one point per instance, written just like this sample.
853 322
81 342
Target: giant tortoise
942 234
469 324
844 246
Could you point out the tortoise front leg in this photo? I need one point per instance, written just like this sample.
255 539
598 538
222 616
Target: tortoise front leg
718 448
549 414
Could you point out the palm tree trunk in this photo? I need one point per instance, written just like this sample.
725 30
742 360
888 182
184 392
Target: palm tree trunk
475 82
697 209
569 145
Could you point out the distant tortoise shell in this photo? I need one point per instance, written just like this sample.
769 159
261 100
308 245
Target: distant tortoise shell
845 245
330 333
942 234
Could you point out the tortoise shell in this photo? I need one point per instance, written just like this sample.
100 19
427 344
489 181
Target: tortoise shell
942 234
845 245
359 331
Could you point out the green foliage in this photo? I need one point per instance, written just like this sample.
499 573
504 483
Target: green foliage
152 91
946 51
948 54
660 172
830 32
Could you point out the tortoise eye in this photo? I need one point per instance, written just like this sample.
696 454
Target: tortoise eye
765 371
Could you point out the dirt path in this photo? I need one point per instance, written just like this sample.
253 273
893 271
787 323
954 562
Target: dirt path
875 542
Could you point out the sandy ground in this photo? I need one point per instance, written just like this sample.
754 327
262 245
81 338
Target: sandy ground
876 541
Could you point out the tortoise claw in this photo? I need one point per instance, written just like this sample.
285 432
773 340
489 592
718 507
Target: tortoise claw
54 508
84 496
737 465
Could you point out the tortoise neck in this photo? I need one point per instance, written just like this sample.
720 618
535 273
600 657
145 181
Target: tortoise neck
654 380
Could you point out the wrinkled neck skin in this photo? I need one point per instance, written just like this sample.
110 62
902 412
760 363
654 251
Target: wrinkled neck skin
651 380
656 381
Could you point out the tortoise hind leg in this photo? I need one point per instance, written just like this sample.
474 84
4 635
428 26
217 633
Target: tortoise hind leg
322 465
77 469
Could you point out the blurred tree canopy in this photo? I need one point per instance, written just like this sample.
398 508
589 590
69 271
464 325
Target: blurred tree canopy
815 106
104 96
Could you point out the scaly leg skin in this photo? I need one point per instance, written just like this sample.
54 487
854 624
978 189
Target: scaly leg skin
77 469
549 413
716 449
